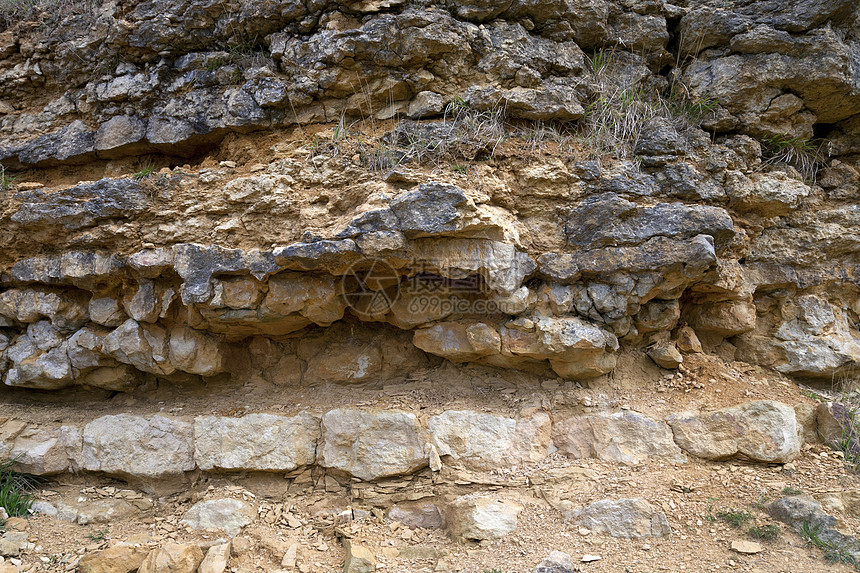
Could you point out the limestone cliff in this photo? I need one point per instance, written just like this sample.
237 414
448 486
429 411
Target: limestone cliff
543 261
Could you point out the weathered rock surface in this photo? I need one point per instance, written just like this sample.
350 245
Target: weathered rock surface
231 515
127 445
120 558
804 512
255 442
216 559
486 441
371 445
359 559
623 437
481 518
762 430
626 518
172 558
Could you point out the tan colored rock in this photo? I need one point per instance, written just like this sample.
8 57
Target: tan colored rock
478 517
458 341
830 420
665 355
195 352
173 558
746 547
346 363
359 559
317 298
416 309
623 437
216 559
687 341
487 441
805 414
575 349
762 430
257 442
45 451
726 318
120 558
769 194
237 293
371 445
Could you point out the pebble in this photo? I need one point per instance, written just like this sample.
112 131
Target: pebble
746 547
589 558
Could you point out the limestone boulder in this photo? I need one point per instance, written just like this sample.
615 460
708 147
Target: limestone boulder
480 517
119 558
126 445
257 442
769 194
173 558
359 559
315 297
144 346
575 348
106 311
216 559
195 352
345 363
46 368
725 318
45 451
372 445
228 514
816 338
459 341
622 437
629 518
486 441
762 430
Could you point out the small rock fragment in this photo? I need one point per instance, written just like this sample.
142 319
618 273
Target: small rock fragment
746 547
216 559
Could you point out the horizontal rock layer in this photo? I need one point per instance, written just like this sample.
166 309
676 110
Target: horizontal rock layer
375 444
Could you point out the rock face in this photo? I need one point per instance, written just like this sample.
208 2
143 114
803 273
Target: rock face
372 445
257 441
763 430
624 437
627 518
134 446
485 441
264 229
